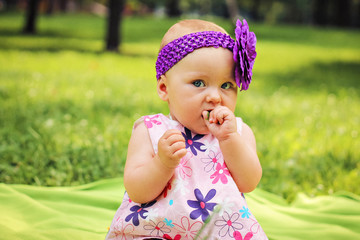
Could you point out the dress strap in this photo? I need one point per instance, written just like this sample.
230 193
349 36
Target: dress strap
239 123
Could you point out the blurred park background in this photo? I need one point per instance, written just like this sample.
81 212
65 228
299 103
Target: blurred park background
75 75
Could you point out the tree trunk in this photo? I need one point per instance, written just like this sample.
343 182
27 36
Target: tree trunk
50 7
255 9
320 12
233 10
63 5
172 8
31 15
343 13
113 37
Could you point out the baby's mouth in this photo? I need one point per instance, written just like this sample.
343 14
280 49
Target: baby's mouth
207 116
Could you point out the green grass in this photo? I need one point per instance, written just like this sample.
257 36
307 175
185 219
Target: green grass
67 108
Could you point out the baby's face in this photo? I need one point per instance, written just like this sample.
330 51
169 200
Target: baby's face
201 81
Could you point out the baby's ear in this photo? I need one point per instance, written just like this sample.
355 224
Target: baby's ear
162 88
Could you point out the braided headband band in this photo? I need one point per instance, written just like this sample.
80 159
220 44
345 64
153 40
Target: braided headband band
176 50
243 49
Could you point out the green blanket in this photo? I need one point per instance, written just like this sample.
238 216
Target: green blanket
85 212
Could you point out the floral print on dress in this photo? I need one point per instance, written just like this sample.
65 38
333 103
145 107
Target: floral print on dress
167 237
238 236
152 214
211 160
121 229
183 168
225 206
200 190
255 228
182 186
245 212
209 146
168 222
221 173
138 211
202 205
157 229
229 224
191 142
150 121
187 229
167 188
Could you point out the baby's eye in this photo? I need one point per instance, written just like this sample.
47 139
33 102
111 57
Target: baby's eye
227 85
199 83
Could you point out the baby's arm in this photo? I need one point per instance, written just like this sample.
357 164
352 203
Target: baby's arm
239 151
146 173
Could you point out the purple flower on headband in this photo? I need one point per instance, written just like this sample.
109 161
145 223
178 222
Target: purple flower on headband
244 54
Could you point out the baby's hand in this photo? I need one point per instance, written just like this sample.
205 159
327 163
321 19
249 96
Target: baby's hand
221 122
171 148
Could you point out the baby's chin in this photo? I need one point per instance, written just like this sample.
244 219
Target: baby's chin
199 129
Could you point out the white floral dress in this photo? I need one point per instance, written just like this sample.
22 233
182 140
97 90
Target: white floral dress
201 201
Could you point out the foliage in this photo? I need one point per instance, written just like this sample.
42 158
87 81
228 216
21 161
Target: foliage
67 108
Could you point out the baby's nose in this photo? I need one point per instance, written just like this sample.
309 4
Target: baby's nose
213 96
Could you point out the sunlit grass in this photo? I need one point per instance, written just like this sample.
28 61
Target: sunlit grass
67 108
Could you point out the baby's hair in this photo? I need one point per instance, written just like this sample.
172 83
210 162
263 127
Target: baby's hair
188 26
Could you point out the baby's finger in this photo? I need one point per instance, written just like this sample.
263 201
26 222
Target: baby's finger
175 137
176 146
221 114
180 153
171 132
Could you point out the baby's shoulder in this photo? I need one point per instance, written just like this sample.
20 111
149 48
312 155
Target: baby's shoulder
139 122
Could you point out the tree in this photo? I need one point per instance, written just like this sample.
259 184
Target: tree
343 9
255 9
31 15
50 7
63 5
233 10
172 8
113 36
320 12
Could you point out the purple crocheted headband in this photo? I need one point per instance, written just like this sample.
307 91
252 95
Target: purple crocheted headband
243 48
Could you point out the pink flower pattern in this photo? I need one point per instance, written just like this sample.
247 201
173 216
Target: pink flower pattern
221 173
183 168
188 230
121 230
150 121
167 237
238 236
255 228
167 188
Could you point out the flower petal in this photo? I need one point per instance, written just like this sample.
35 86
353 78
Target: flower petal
224 230
210 206
205 214
188 133
193 204
210 195
195 214
197 137
192 149
199 196
198 145
149 204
